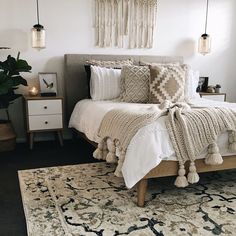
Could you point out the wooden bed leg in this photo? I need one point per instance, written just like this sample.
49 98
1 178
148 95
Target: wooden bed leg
142 189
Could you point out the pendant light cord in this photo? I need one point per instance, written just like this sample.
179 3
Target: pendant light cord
37 10
206 16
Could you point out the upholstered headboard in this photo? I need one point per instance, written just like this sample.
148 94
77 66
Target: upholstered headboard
76 85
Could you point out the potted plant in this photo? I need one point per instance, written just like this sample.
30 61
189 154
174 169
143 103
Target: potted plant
10 79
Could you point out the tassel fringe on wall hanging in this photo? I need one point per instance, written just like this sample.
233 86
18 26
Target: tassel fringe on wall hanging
116 20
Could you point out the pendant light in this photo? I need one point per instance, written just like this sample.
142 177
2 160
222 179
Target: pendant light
38 33
204 45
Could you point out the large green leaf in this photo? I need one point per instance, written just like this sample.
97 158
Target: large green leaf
3 77
10 78
3 89
8 98
22 66
10 64
17 80
6 86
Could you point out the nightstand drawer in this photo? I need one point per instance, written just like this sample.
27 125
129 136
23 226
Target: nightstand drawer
220 98
45 122
44 107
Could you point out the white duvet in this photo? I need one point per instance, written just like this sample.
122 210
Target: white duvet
149 146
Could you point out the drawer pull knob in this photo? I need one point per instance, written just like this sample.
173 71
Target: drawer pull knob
46 122
45 107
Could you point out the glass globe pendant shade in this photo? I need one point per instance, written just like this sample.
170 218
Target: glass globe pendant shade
204 45
38 35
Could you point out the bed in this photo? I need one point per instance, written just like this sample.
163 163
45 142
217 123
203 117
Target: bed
161 159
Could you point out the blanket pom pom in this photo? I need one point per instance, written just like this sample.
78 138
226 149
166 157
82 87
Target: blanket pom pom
213 148
104 154
214 159
181 180
232 147
101 145
121 159
97 154
111 157
231 139
232 136
193 176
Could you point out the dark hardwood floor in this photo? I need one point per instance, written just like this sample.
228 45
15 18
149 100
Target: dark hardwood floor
45 154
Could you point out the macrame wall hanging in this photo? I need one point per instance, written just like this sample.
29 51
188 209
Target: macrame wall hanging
116 20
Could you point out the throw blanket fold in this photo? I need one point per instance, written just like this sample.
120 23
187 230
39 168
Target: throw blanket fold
191 131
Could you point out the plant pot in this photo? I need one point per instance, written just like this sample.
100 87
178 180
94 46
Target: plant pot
7 137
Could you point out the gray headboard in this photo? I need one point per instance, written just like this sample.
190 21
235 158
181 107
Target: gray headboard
76 86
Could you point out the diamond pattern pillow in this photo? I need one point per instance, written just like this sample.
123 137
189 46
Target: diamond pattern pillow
167 83
135 84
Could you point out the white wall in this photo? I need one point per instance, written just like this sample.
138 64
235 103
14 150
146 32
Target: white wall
69 30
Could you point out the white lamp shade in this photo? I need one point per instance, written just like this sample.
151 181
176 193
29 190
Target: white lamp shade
204 45
38 37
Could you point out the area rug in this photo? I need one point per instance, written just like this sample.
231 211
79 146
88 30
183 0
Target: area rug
88 199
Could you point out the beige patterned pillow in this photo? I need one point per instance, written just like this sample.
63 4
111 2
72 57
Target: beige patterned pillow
110 64
167 83
135 84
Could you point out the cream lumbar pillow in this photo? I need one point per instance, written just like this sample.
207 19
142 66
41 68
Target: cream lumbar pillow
105 83
135 84
110 63
167 82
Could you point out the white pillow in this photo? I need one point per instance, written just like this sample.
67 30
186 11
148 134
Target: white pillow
195 82
191 85
105 83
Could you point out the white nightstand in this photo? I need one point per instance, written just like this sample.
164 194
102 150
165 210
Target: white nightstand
220 97
44 114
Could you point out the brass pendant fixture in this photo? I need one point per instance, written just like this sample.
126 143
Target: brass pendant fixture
204 44
38 34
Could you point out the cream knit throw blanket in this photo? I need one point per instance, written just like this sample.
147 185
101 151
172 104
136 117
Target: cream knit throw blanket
120 126
193 130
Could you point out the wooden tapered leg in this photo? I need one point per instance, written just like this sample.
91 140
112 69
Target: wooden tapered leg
31 140
60 137
142 189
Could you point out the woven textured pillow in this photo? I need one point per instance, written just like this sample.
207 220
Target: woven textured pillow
110 64
135 84
167 83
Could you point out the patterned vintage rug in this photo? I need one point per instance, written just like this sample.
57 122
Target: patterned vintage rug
88 200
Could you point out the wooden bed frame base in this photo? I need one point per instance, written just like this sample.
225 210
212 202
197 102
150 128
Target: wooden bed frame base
169 168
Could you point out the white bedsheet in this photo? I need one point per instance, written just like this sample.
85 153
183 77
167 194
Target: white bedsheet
149 146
